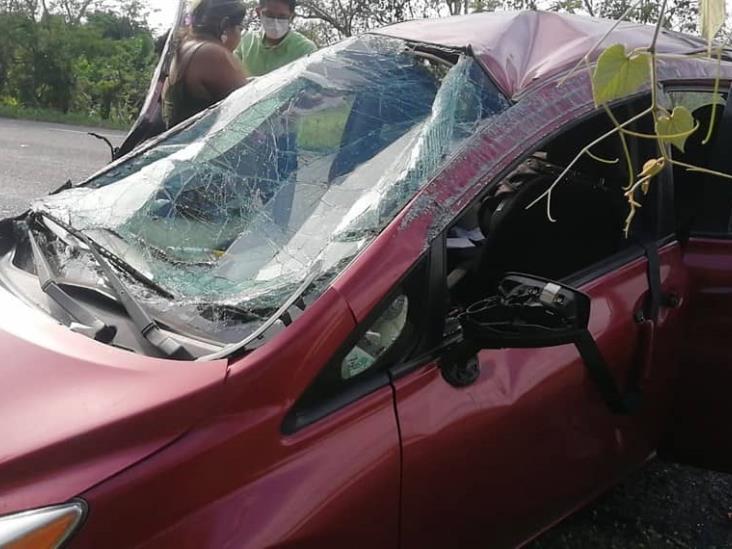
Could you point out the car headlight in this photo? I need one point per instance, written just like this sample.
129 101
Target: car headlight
45 528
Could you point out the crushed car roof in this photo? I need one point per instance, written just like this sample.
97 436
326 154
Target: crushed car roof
521 48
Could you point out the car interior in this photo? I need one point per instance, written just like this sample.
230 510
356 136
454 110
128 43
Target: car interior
515 233
499 233
704 213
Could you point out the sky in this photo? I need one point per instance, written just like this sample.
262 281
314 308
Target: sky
163 13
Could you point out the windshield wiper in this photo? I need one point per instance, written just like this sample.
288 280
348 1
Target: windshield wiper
111 257
140 318
85 322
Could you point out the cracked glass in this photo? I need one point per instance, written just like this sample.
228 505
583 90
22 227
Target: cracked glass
290 177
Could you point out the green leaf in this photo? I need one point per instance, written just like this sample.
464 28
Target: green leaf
617 74
711 15
677 126
695 100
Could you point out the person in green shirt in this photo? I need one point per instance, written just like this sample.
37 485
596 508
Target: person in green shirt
276 44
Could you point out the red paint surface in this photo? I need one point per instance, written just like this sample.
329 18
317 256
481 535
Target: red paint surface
237 481
531 440
75 411
192 455
703 407
521 48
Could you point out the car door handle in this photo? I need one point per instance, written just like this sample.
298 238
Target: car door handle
671 300
646 339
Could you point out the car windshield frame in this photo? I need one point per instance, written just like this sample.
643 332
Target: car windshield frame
419 126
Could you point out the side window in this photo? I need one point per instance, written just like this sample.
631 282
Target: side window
703 201
378 339
394 330
508 229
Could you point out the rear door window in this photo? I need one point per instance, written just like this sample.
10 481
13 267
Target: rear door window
703 201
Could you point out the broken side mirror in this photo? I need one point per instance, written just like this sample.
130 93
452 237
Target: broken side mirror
532 312
527 312
113 151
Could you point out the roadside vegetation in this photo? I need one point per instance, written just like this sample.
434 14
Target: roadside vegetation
71 118
90 61
74 62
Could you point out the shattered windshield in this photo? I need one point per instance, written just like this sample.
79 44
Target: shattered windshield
296 172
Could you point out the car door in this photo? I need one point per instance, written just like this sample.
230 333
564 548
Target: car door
698 434
530 439
149 122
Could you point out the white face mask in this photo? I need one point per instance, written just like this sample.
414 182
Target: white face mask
275 28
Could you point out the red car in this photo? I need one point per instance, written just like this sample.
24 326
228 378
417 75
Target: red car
320 314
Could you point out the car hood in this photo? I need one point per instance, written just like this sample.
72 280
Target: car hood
75 412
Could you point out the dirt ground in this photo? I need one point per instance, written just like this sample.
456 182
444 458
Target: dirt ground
664 505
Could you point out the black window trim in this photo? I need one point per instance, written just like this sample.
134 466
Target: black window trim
707 86
314 405
634 252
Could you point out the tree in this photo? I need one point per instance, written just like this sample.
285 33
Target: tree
329 20
344 17
335 19
73 10
24 8
76 55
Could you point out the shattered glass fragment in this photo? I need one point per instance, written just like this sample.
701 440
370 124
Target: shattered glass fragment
304 166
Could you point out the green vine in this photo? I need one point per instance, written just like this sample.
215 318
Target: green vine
619 73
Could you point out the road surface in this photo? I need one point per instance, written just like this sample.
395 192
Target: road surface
661 506
37 157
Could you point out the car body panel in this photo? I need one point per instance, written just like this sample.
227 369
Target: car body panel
76 412
528 442
520 48
698 433
237 481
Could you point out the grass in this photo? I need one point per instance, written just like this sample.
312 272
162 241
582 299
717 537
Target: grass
320 132
323 131
50 115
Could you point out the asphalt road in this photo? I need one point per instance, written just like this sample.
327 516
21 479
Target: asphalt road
37 157
661 506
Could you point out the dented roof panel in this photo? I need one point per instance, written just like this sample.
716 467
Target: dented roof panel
521 48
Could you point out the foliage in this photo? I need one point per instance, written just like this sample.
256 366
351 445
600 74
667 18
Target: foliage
617 74
675 127
10 110
712 18
75 56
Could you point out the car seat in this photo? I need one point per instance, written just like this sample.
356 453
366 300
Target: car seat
588 228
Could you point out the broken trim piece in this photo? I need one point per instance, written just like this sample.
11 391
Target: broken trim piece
88 324
294 299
